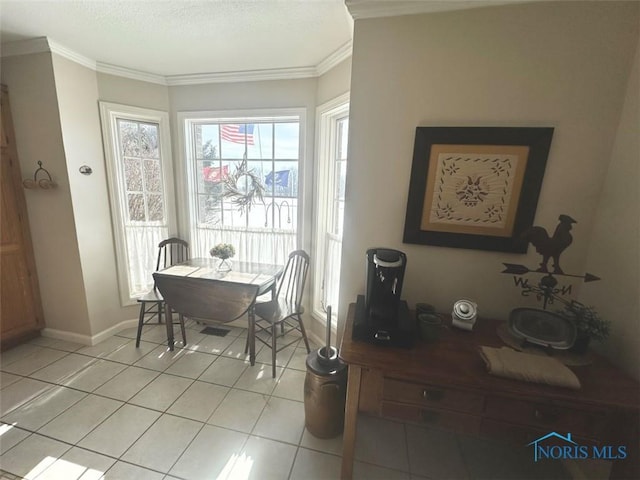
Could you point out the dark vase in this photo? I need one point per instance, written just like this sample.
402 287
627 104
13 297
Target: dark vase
581 345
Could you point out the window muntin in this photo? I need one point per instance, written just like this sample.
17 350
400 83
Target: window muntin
140 157
139 171
267 148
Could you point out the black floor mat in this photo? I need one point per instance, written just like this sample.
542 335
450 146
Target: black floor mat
218 332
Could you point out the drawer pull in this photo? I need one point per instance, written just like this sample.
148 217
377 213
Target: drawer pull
433 395
429 416
545 417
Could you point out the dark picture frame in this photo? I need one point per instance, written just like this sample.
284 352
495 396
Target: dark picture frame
475 187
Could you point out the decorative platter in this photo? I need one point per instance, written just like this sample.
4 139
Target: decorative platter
541 327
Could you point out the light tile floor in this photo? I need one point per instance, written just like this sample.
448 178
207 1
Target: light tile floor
114 411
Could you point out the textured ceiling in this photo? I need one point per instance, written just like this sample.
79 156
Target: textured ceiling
182 37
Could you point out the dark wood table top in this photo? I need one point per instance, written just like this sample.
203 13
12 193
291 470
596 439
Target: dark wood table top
244 273
454 361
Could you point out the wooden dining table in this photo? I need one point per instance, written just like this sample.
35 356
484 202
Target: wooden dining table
199 290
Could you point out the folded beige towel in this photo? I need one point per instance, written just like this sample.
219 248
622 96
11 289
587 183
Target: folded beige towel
506 362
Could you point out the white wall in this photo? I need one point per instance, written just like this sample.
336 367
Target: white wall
34 106
559 64
614 251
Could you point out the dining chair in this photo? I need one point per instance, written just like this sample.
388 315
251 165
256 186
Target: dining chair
283 314
152 305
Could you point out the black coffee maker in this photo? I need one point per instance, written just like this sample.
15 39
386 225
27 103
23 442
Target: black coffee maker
381 316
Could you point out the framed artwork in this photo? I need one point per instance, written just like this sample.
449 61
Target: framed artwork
475 187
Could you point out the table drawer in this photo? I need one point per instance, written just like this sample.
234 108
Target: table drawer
546 416
455 421
432 396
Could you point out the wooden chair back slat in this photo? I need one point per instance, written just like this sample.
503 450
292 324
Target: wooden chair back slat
171 251
293 279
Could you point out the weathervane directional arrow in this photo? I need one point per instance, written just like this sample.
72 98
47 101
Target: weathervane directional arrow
516 269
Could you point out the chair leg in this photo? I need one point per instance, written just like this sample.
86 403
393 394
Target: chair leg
184 334
251 336
160 308
246 343
273 349
304 333
140 322
168 320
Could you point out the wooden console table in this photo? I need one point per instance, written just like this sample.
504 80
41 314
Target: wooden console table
445 384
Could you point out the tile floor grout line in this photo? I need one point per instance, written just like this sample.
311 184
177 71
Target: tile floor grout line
293 463
183 451
86 394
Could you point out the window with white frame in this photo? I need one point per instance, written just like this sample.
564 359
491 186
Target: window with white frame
333 131
244 183
139 171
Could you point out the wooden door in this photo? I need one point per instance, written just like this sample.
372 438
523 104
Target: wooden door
21 314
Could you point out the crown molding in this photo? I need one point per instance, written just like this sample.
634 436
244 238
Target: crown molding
243 76
43 44
130 73
392 8
335 58
71 55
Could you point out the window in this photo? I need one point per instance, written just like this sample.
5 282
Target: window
138 153
333 124
244 184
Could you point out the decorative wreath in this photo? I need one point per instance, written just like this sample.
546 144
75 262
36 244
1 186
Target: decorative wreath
240 197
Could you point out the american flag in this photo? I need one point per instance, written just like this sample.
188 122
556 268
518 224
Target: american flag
236 133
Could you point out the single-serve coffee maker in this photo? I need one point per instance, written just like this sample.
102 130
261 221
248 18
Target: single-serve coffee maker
381 316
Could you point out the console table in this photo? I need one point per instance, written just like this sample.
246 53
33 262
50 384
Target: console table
445 384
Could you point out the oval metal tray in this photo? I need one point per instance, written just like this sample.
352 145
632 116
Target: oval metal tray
542 328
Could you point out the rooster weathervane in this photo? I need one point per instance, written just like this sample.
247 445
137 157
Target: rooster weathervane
549 247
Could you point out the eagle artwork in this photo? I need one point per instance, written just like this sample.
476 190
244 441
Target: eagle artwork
550 247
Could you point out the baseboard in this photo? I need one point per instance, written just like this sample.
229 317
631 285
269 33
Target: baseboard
315 339
109 332
86 339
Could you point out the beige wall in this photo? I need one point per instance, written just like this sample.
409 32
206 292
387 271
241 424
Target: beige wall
77 90
559 64
34 106
136 93
614 251
335 82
